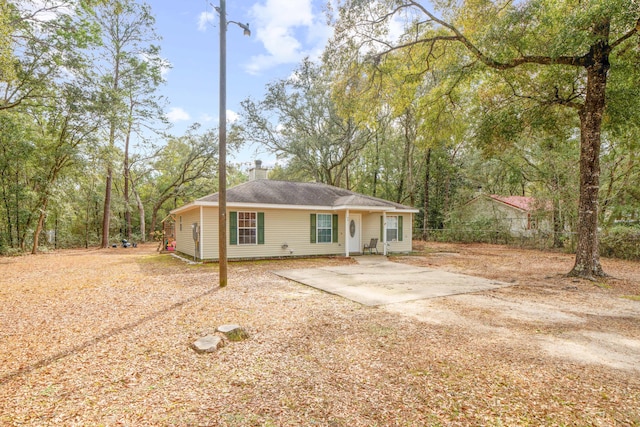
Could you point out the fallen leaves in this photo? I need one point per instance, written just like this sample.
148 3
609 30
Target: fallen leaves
102 338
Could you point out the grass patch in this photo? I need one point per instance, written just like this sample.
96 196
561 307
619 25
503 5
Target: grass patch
166 260
603 285
159 259
632 297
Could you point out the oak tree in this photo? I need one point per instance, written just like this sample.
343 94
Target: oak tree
570 45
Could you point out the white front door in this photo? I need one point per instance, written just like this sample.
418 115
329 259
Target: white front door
353 229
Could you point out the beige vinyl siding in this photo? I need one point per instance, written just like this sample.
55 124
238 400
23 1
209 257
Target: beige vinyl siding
290 227
513 219
407 233
371 229
210 233
184 237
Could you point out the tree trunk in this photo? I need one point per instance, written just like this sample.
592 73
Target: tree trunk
405 162
9 224
587 263
106 215
154 218
127 209
425 206
143 230
557 225
107 209
127 173
36 234
376 167
86 223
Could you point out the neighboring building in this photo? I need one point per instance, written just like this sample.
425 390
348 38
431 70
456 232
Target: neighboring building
521 216
269 219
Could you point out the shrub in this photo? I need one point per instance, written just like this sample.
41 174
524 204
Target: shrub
621 242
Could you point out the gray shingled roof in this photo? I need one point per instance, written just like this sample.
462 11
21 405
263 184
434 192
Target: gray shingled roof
271 192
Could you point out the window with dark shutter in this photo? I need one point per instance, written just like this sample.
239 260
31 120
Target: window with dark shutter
313 228
233 228
261 228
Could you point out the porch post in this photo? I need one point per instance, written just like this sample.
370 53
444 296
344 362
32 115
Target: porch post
384 233
346 233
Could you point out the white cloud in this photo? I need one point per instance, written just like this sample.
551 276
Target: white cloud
288 30
232 116
162 63
45 11
204 19
206 118
177 114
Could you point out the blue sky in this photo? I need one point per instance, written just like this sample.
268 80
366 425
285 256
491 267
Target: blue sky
283 32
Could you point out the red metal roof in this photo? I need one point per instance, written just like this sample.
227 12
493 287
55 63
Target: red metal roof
520 202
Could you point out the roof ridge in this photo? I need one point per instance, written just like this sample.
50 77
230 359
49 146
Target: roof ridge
299 193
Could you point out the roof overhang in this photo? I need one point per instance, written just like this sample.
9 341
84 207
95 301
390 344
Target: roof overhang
197 204
373 209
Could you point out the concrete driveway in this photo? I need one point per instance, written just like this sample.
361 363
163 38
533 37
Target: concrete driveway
377 281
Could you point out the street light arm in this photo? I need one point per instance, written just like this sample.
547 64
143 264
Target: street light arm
245 27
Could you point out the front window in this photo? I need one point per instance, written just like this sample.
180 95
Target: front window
323 228
392 228
247 228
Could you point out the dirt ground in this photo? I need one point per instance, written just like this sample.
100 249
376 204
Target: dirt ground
102 337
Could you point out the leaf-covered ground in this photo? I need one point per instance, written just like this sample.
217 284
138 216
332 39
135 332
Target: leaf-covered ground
102 337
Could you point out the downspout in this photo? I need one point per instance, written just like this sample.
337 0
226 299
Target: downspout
346 233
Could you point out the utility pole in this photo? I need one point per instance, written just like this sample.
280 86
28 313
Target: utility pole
222 142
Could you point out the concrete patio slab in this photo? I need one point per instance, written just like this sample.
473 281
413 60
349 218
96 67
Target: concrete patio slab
377 281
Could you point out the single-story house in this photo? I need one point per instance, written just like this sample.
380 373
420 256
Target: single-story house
520 215
270 219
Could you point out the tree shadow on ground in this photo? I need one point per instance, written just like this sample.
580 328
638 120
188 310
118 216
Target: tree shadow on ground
95 340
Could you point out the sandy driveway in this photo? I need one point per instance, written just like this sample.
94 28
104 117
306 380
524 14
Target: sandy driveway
559 317
589 332
488 308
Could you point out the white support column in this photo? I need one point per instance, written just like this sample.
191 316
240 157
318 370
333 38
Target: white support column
384 233
346 233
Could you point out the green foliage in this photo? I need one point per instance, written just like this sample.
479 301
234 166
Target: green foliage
621 241
299 121
480 230
364 118
7 66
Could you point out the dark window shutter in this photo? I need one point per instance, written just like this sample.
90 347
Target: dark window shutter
261 228
399 228
381 229
233 228
313 228
334 229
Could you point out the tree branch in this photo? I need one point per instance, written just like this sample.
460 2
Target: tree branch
627 35
578 61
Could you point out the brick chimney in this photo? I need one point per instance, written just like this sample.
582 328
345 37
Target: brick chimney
257 172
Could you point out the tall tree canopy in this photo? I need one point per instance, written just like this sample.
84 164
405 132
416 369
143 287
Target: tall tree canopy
299 120
541 53
130 73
